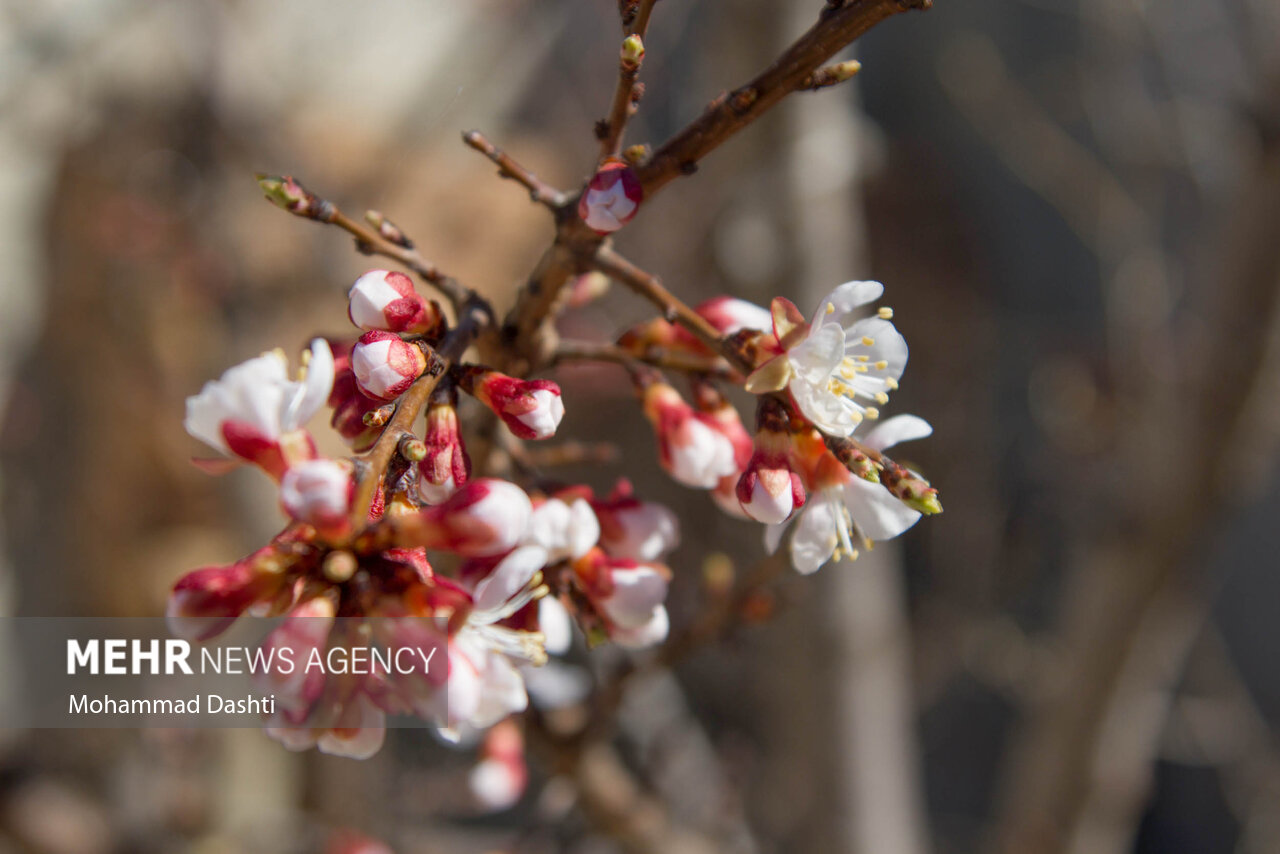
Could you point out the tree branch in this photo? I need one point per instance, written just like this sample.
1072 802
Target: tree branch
839 24
539 191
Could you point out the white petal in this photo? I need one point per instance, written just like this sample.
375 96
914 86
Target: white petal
899 428
773 535
889 346
555 685
636 593
880 515
509 577
556 627
584 528
819 354
502 693
370 730
654 631
823 408
816 535
495 785
846 299
313 392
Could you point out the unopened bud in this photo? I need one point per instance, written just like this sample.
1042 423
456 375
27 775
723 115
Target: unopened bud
636 154
284 192
611 198
339 566
632 51
385 366
387 229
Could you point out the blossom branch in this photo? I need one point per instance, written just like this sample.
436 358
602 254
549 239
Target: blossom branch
539 191
839 24
287 193
625 96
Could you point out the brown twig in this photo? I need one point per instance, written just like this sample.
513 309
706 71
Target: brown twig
625 95
838 25
289 194
672 307
539 191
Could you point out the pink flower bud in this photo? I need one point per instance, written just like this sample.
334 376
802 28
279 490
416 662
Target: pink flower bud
485 517
385 366
635 529
611 198
386 300
446 465
691 446
730 314
531 409
499 779
205 602
769 491
627 595
319 492
350 406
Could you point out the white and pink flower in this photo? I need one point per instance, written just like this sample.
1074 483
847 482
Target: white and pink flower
567 528
843 508
255 412
531 409
692 446
484 517
611 199
633 529
386 300
319 493
628 595
385 365
838 369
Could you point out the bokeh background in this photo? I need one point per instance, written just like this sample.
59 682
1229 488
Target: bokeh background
1075 207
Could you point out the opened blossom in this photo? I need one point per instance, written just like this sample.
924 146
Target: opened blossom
845 511
255 412
840 367
567 528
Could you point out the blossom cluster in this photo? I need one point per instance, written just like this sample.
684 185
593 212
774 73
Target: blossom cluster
490 574
812 460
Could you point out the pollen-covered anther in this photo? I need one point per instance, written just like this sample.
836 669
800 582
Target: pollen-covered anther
884 313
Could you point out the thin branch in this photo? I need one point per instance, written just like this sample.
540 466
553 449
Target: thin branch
620 109
289 194
539 191
672 307
839 24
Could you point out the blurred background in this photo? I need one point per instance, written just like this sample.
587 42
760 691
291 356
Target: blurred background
1075 207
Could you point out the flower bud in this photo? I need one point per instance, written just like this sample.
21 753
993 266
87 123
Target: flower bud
770 489
531 409
206 601
635 529
611 198
319 493
351 409
385 366
567 528
484 517
446 465
386 300
691 446
627 595
730 314
632 51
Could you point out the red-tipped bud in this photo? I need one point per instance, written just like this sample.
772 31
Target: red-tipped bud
532 409
385 366
730 314
611 199
350 407
319 493
386 300
206 601
692 447
769 491
635 529
446 467
483 518
627 595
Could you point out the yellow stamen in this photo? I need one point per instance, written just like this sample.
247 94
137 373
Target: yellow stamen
831 308
890 383
872 413
882 398
868 341
885 313
881 365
